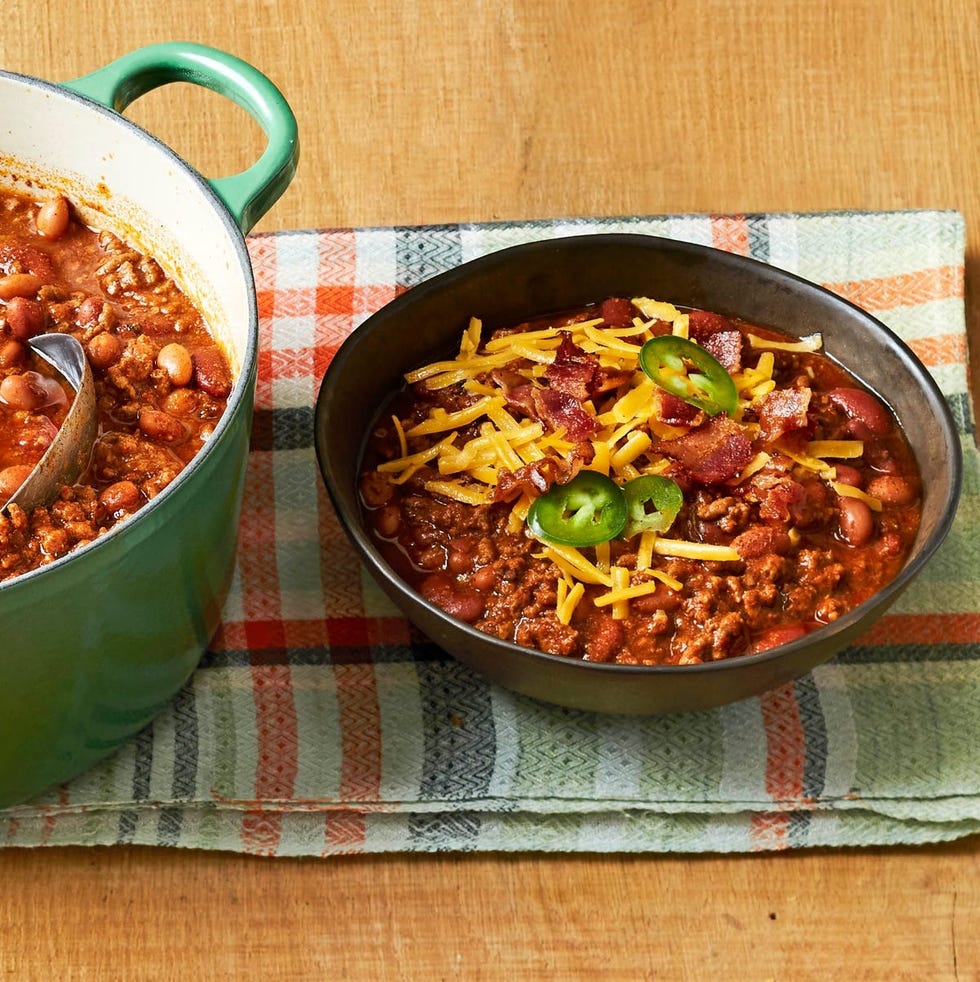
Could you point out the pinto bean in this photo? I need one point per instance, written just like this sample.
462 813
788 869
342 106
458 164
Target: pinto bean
11 478
211 374
175 360
53 218
104 350
13 354
94 310
19 285
25 317
891 489
863 408
387 521
160 427
376 489
121 497
24 391
857 524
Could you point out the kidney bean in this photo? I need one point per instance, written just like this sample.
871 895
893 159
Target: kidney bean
211 374
11 478
775 636
761 540
13 354
880 459
459 561
848 475
104 350
891 489
484 579
121 497
857 524
53 217
863 407
26 317
175 360
454 598
160 427
19 285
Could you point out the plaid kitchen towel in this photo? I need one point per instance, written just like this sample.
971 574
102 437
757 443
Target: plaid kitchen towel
319 723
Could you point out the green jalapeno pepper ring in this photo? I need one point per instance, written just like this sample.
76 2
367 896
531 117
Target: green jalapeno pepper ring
589 509
653 502
684 369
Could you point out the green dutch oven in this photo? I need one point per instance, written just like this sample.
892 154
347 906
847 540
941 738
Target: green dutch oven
95 644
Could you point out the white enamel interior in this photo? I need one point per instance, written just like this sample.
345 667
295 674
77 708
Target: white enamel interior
124 181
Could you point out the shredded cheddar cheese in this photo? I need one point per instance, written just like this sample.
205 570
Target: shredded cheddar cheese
847 491
812 342
838 449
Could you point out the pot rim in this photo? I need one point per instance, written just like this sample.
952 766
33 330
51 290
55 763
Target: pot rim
843 627
244 381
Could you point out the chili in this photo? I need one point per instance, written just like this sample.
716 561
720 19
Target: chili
161 379
750 520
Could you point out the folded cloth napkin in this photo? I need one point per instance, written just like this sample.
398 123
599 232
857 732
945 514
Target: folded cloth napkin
319 723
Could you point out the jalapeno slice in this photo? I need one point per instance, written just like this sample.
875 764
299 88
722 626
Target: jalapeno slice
653 502
589 509
686 370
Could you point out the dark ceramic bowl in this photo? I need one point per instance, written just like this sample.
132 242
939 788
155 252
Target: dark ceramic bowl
511 285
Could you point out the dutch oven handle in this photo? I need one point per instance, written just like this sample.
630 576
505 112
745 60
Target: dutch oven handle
250 194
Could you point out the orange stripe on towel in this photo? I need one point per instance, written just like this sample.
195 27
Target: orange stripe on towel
943 349
785 742
730 233
904 290
924 629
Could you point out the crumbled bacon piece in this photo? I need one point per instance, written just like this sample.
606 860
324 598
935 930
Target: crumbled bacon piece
784 411
563 412
573 372
674 411
726 346
617 312
702 324
711 453
532 479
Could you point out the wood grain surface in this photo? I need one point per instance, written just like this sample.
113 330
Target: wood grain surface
421 111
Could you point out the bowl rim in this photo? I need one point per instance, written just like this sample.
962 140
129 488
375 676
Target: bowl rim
842 626
249 356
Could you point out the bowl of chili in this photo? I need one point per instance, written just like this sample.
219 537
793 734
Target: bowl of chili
110 592
731 526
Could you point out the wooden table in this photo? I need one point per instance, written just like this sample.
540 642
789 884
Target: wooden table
419 111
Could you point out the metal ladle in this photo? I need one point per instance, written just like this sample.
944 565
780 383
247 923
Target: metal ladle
69 452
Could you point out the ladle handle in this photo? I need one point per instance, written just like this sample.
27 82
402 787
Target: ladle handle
251 193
